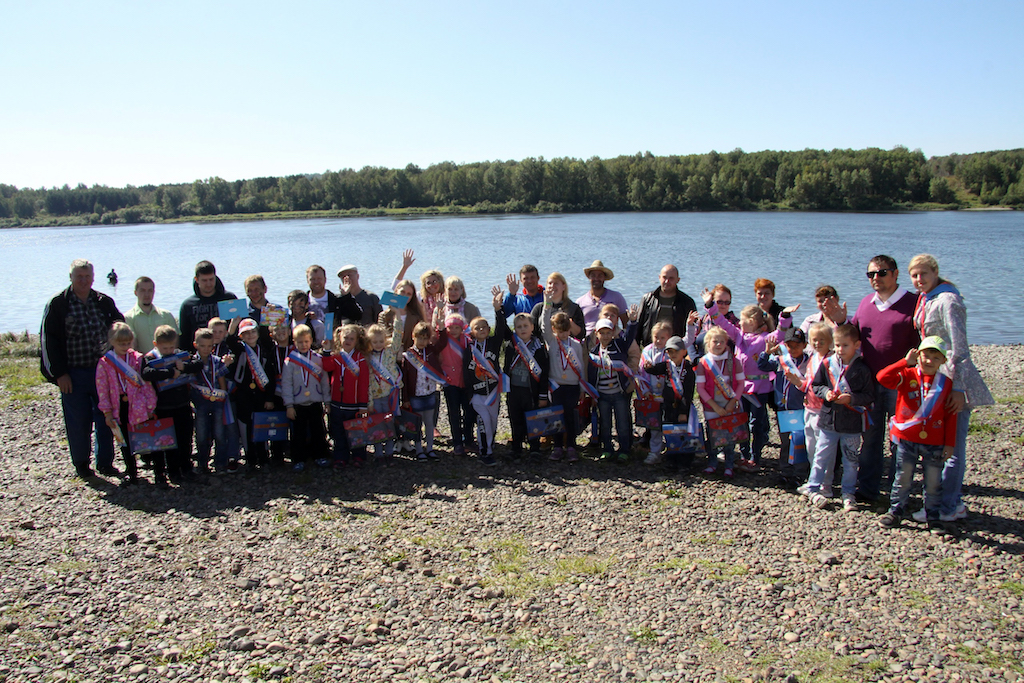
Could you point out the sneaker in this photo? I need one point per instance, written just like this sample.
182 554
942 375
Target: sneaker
432 455
556 453
819 501
233 466
535 454
890 520
109 471
606 456
459 450
488 460
129 481
728 473
746 466
653 459
321 462
920 516
710 469
623 458
219 471
959 513
571 455
805 490
849 504
299 466
421 457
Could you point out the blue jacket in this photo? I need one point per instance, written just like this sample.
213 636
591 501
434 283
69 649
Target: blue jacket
787 396
618 350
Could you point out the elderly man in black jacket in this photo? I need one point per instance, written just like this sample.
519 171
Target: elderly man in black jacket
74 332
666 303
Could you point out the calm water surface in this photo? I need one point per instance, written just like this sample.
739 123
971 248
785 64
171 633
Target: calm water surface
980 251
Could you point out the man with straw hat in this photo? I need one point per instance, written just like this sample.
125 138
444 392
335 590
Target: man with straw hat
598 296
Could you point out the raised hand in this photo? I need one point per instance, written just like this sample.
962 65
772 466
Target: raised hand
407 259
693 318
707 295
634 313
833 311
911 357
513 283
498 298
791 309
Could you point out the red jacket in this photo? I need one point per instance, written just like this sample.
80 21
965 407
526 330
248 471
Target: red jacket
347 388
937 430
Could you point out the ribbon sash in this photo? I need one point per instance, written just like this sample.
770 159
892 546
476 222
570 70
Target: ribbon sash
259 375
675 380
123 370
421 366
569 357
526 355
483 363
929 401
349 362
382 372
211 394
787 361
306 364
719 378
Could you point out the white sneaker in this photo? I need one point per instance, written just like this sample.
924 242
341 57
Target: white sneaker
653 459
818 500
959 513
849 504
920 516
804 490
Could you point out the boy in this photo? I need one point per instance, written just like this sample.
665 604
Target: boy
222 348
526 364
450 349
923 427
565 372
676 398
821 347
653 363
173 402
421 375
480 363
847 388
610 373
209 396
254 374
789 363
305 388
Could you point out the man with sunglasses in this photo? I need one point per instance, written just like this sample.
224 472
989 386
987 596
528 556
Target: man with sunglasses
885 319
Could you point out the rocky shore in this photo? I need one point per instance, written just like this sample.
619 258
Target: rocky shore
531 570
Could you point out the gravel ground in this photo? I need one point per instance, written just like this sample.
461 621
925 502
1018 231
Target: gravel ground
527 571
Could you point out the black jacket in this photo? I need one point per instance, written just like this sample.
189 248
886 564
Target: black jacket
53 362
682 306
844 419
197 310
538 387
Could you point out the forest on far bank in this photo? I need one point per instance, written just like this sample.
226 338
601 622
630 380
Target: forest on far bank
809 180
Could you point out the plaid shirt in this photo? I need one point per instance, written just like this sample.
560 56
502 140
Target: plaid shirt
86 332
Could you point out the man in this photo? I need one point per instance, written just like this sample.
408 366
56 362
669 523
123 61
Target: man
74 332
666 303
591 302
368 302
197 310
144 317
532 294
322 300
886 323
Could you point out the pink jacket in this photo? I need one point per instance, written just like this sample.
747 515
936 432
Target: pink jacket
750 346
141 400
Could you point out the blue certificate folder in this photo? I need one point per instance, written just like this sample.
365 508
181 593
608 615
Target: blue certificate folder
791 420
232 309
392 299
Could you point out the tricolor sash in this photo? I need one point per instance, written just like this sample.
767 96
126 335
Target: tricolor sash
608 363
787 361
306 364
259 374
526 355
483 363
676 380
349 362
504 386
719 378
421 366
211 394
837 376
929 402
382 373
125 371
569 357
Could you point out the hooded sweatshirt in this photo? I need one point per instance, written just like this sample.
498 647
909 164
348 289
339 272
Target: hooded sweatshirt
197 310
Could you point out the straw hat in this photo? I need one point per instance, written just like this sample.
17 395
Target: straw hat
598 265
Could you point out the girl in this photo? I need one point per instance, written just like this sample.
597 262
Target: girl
124 398
350 389
414 311
450 349
385 378
421 374
751 338
821 347
299 314
653 364
482 376
720 382
431 295
565 371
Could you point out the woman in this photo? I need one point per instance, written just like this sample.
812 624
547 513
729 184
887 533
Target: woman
560 301
454 302
941 312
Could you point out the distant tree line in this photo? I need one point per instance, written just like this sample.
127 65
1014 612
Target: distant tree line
816 180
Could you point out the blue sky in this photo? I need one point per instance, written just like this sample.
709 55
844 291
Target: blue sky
133 93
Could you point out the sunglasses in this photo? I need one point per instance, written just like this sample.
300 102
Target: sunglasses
872 274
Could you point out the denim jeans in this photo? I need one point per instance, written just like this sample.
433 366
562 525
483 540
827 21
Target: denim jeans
383 405
875 475
829 443
210 428
81 416
758 422
954 469
616 403
907 456
811 432
426 406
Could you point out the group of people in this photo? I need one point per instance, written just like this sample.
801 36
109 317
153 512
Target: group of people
897 370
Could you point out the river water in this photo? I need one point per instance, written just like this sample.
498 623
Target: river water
979 251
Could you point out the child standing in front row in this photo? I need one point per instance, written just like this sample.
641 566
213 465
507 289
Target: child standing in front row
613 386
565 370
923 427
422 373
820 336
653 366
720 382
209 396
124 398
350 390
172 402
222 344
305 389
788 362
845 384
482 375
526 364
385 378
255 377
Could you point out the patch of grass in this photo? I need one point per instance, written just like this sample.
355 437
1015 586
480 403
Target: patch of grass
917 599
721 570
21 345
1014 587
1018 398
713 645
674 563
21 378
986 656
945 564
199 651
509 555
538 642
70 566
710 539
821 666
982 428
575 567
393 558
643 634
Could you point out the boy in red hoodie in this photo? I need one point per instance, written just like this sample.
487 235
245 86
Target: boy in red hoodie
922 427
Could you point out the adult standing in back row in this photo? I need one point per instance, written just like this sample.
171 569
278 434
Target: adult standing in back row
595 299
666 303
886 323
197 310
73 337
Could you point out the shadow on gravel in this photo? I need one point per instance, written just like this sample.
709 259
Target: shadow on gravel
993 492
